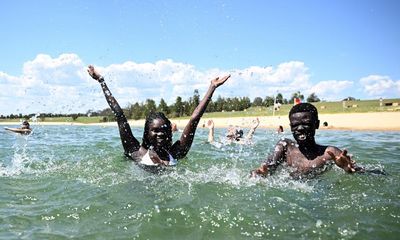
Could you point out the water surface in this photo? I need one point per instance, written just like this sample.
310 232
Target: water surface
74 182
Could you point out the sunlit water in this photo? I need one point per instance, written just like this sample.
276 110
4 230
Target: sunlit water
74 182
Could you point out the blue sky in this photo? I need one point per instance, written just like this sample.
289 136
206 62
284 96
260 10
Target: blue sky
162 49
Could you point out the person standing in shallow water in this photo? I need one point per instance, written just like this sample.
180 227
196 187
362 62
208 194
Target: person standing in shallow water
156 148
304 155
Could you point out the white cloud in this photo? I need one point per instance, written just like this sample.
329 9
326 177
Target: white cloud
62 85
330 89
377 86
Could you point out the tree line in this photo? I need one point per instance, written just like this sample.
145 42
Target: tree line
179 108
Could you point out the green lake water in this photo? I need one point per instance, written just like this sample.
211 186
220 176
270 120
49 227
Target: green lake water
73 182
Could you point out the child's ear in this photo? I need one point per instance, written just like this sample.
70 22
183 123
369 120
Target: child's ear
317 124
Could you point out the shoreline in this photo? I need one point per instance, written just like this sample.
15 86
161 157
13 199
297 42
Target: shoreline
376 121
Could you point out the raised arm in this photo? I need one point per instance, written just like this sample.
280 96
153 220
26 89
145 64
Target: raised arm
129 142
253 128
210 125
182 146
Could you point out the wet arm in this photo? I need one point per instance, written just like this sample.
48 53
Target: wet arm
129 142
182 146
253 129
211 131
273 160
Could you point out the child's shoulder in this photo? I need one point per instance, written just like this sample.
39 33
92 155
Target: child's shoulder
286 141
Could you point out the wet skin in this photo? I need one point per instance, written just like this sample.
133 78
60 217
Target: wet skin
303 126
158 136
304 155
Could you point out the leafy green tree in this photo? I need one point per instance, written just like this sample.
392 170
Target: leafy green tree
257 102
136 111
279 98
178 107
149 107
163 107
219 104
245 103
268 101
195 100
313 98
296 95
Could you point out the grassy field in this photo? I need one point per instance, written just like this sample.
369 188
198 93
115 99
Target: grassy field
361 106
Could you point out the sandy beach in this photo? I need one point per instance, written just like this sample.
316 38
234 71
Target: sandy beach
378 121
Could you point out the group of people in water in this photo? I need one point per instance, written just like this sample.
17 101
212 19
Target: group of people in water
157 150
302 154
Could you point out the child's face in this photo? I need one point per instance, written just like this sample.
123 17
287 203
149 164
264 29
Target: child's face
303 126
158 134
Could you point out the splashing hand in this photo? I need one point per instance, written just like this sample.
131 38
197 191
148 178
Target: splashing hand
263 170
343 161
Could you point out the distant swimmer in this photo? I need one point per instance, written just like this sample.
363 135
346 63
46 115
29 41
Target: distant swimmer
279 129
24 129
234 134
156 148
304 155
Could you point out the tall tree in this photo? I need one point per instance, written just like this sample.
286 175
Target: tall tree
296 95
149 106
257 102
136 111
313 98
268 101
279 98
178 107
163 107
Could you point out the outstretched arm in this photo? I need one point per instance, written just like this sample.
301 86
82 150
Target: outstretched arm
253 128
210 125
343 161
129 142
182 146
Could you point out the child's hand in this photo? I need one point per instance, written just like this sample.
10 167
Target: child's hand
93 73
263 170
256 122
343 161
210 124
216 82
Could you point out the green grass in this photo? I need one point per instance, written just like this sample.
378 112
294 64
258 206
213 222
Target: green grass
361 106
323 108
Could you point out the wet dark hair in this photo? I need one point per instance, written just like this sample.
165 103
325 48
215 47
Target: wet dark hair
25 123
304 107
150 118
239 134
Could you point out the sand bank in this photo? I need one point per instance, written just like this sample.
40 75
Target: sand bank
379 121
388 121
